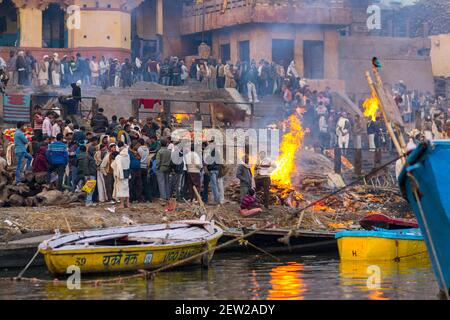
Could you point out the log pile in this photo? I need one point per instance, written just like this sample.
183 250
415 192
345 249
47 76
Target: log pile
34 192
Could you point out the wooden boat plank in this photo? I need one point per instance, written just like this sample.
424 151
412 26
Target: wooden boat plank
161 240
98 239
58 241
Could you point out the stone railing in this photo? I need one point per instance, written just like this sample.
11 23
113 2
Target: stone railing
214 6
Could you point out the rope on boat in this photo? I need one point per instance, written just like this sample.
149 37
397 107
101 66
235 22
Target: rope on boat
28 264
248 243
415 188
398 258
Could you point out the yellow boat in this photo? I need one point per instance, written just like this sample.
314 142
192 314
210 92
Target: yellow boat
381 245
131 248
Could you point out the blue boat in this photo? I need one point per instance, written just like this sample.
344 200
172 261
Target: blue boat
425 183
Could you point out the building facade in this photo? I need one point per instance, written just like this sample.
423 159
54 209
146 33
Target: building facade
91 27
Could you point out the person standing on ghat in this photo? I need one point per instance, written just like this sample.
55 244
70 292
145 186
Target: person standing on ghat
245 176
263 171
20 150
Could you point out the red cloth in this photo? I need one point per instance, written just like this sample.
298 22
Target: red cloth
149 103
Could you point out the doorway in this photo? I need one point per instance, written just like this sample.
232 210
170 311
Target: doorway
54 34
9 35
225 52
282 51
313 59
244 51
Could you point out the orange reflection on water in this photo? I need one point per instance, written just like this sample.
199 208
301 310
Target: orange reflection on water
377 295
287 283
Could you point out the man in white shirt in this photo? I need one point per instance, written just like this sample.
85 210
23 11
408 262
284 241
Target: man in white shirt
47 126
56 129
144 153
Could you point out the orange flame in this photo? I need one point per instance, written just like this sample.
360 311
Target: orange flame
291 143
179 117
320 207
370 106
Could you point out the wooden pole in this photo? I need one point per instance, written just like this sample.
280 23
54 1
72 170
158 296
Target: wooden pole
397 128
388 123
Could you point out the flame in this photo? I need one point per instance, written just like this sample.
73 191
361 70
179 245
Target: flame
179 117
340 225
291 143
371 107
320 207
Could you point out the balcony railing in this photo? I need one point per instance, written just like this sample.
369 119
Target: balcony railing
213 6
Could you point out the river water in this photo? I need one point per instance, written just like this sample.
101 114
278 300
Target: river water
252 277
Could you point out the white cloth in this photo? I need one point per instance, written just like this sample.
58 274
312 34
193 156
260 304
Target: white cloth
121 185
101 187
372 146
56 129
144 153
292 71
47 127
343 141
193 162
56 78
221 190
184 72
264 167
251 89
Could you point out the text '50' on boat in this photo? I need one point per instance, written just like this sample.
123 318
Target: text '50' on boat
381 245
131 248
425 182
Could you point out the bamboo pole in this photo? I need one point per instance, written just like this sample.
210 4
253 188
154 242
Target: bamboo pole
380 84
388 123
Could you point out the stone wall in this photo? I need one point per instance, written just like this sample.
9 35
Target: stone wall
440 55
261 35
399 57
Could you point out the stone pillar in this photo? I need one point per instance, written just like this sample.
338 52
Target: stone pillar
234 54
331 54
30 22
160 17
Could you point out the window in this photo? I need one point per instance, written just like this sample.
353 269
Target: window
225 54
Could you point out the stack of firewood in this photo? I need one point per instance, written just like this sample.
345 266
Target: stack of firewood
33 192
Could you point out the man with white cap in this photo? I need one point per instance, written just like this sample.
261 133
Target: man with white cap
76 91
343 132
43 71
56 70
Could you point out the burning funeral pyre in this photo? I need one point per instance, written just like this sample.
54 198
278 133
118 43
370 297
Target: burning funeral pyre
281 177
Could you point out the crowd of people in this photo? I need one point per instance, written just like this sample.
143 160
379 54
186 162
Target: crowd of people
122 161
252 79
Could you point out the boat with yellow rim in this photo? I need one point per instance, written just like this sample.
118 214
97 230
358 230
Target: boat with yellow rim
381 245
131 248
